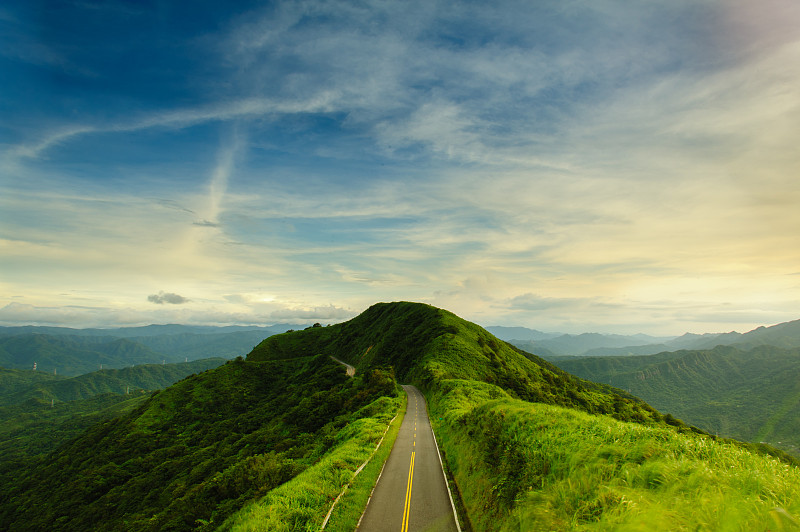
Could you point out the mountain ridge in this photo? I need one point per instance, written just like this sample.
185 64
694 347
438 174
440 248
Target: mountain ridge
786 334
526 442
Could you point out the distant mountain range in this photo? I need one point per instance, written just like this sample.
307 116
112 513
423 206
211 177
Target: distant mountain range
24 385
73 352
146 330
551 345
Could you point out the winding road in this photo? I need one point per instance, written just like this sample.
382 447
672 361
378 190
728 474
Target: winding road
351 371
411 493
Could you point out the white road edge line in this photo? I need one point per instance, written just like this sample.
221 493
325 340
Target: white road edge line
452 504
327 517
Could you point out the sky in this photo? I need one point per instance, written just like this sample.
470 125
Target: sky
572 165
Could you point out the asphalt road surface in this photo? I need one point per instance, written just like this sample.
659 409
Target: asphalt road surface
411 494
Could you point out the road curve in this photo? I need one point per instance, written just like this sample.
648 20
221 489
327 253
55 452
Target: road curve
351 371
411 494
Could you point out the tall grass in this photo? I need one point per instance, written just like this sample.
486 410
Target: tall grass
530 466
302 503
351 506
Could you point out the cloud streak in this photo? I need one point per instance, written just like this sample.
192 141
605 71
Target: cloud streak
616 161
180 119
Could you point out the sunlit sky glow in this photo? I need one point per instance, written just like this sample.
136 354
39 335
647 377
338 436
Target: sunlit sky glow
574 166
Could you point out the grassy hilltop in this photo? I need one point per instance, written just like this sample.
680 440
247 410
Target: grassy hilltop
532 447
268 442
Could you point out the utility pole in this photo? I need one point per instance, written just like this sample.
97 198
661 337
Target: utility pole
34 366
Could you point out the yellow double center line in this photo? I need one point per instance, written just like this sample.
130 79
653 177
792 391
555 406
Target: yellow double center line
407 508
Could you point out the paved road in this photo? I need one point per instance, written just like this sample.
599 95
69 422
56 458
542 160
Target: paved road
411 494
350 369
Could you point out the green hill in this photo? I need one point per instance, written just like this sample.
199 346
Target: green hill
39 411
528 445
192 346
192 454
426 345
120 381
532 447
13 380
751 395
74 355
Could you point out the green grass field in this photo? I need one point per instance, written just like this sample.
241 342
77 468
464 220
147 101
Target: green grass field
529 466
303 502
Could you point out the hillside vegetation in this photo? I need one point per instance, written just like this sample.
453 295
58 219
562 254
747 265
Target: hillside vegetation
74 355
193 454
532 447
121 381
267 443
750 395
526 466
39 411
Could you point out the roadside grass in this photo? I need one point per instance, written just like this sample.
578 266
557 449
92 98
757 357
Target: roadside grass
531 466
351 506
302 503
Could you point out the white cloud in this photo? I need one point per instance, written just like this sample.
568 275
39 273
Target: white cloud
601 162
15 314
167 297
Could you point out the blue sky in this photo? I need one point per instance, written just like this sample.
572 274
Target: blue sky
563 165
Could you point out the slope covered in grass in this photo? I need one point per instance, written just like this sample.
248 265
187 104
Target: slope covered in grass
426 345
532 447
750 395
528 466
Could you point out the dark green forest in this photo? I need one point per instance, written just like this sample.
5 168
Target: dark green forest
40 411
192 454
75 355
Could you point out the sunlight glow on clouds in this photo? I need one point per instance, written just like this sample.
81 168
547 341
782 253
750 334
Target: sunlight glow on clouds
565 166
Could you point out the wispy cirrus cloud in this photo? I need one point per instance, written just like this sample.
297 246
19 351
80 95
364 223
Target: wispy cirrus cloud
179 119
597 154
